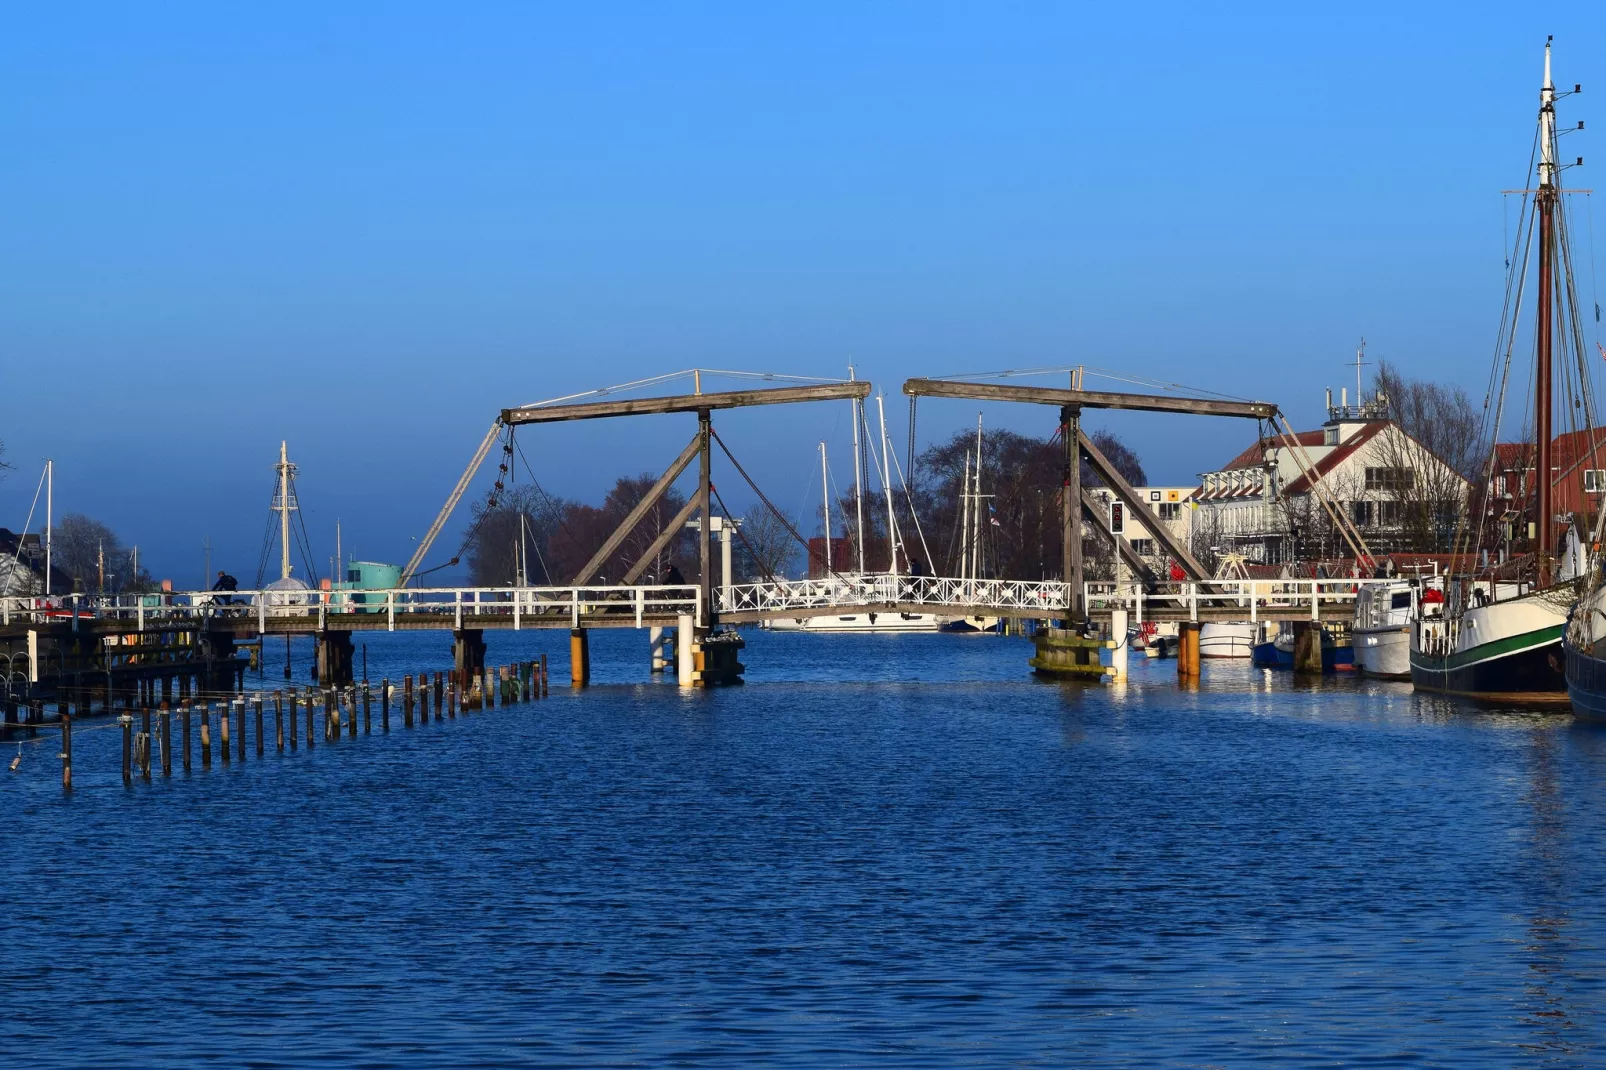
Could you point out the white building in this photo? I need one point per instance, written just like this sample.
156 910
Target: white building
1261 504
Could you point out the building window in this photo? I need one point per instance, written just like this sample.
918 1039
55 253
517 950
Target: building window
1594 480
1390 479
1170 510
1361 513
1143 547
1388 514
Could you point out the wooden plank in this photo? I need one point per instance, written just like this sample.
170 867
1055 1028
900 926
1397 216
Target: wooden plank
731 399
1123 490
1092 399
622 532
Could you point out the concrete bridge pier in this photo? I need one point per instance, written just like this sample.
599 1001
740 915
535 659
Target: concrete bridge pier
684 672
334 658
659 661
468 657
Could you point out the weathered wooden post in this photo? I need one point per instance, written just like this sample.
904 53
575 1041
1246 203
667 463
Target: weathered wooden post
579 657
261 743
351 712
423 698
451 695
1307 647
367 705
239 726
128 747
223 730
311 717
1188 649
439 689
145 755
384 705
407 701
295 716
206 735
330 732
184 721
167 739
278 720
66 751
545 684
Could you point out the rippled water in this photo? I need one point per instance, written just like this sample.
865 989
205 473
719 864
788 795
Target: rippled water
944 861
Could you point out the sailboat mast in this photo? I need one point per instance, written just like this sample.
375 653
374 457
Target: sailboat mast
50 509
964 522
886 483
283 506
975 546
858 478
1544 314
825 501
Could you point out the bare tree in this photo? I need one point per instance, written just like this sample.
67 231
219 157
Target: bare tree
765 547
515 536
1423 475
92 554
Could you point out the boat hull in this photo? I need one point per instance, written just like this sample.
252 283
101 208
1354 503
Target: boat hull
1384 652
1227 640
858 623
1586 683
1523 668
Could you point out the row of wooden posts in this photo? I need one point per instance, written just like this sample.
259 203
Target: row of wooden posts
521 682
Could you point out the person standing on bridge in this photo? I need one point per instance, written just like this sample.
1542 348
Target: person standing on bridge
225 584
672 576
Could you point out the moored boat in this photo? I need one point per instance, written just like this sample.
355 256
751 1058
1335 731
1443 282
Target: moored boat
1381 632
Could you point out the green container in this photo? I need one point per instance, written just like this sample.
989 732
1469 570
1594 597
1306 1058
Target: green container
369 576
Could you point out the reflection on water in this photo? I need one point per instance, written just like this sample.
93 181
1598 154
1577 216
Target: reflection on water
943 861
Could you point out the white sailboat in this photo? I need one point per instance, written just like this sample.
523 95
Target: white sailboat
862 622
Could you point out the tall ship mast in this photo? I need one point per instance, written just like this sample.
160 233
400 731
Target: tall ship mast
1492 628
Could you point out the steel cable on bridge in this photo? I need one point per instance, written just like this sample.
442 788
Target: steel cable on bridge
787 524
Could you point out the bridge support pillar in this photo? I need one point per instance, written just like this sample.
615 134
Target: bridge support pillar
659 662
468 657
683 652
579 657
1307 646
334 658
1119 651
1188 649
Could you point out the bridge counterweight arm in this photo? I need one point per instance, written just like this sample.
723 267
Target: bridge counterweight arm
451 503
1091 399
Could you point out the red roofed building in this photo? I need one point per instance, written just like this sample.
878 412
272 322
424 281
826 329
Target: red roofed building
1577 472
1271 502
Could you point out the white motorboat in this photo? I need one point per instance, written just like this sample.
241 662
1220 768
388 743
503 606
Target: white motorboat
1381 632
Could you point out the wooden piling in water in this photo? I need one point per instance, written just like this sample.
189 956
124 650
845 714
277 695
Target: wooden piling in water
239 727
206 735
384 705
545 688
184 721
440 688
128 748
451 697
278 720
367 706
309 720
407 702
261 743
145 755
351 713
223 731
330 732
66 751
164 720
423 698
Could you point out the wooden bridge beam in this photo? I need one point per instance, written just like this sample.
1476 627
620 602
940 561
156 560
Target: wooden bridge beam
1123 490
730 399
1089 399
622 532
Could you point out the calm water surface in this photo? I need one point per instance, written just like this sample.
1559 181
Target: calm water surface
902 850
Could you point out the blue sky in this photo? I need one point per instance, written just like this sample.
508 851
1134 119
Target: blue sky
367 228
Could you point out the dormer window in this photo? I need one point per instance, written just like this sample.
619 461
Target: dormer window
1330 436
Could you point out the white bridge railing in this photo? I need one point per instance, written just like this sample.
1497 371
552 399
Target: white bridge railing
1043 596
577 605
1252 597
